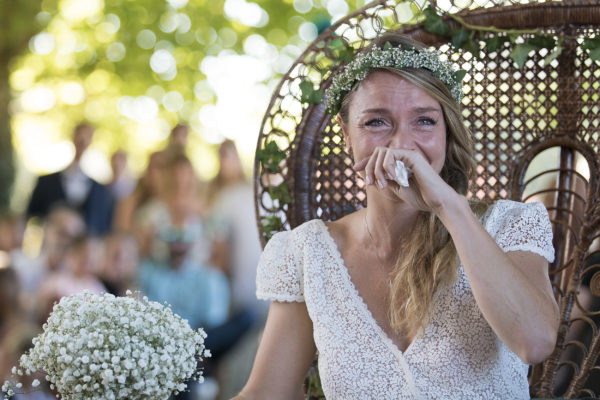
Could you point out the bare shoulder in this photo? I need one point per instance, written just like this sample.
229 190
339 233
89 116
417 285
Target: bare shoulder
341 230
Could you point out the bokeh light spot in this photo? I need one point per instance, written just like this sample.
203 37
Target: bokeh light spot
228 36
206 35
203 92
116 52
308 31
184 23
146 39
37 99
173 101
77 10
97 81
72 93
168 22
177 3
162 61
246 13
111 24
142 109
303 6
42 43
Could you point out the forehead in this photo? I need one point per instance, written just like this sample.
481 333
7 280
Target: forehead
384 89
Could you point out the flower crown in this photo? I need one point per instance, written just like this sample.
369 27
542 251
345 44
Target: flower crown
395 57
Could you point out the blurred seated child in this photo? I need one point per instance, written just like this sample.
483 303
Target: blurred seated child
82 265
121 260
16 333
196 292
62 225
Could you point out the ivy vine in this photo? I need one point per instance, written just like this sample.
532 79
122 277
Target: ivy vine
270 158
468 37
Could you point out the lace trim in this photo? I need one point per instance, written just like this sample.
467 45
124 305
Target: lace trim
548 255
360 302
279 297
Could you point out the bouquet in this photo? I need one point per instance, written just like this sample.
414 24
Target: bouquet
107 347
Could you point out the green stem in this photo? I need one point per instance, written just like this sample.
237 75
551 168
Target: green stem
493 29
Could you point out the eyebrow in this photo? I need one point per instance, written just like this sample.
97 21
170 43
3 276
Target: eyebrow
416 110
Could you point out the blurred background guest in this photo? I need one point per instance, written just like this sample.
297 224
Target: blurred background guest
83 261
73 187
122 183
149 187
232 206
120 269
16 332
60 228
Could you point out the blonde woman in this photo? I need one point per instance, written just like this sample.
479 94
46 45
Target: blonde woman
422 294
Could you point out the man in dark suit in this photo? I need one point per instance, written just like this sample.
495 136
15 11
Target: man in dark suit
74 188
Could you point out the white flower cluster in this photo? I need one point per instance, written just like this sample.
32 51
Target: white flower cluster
394 57
107 347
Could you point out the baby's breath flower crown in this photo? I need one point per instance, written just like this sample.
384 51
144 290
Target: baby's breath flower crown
394 57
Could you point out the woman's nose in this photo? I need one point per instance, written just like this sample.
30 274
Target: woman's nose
402 140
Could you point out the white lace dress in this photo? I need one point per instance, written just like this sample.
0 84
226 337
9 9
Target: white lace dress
458 357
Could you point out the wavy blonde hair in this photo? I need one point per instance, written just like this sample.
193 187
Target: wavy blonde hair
428 258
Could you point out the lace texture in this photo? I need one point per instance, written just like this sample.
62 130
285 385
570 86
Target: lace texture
458 356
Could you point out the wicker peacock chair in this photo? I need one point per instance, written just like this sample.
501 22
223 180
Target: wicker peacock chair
537 138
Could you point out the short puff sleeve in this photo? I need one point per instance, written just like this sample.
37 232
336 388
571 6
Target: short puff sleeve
521 227
279 273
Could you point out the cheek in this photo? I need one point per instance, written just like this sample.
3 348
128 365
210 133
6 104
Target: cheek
435 151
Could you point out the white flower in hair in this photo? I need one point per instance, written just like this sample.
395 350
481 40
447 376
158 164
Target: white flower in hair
394 57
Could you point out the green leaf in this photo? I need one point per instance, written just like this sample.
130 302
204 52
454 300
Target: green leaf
542 42
317 97
270 157
472 47
341 50
459 36
512 37
495 42
590 44
271 224
459 75
520 53
595 54
309 94
434 23
281 193
336 44
552 56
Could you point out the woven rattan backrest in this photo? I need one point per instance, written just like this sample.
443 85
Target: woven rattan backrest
537 137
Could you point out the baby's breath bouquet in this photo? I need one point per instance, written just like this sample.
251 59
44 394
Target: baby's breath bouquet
107 347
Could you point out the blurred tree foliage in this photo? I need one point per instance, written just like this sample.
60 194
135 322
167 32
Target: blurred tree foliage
17 25
90 55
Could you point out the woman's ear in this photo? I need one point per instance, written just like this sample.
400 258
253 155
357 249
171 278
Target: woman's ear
345 133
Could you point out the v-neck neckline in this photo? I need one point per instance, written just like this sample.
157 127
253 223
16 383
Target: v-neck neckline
360 301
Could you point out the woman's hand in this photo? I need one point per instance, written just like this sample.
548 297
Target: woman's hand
427 191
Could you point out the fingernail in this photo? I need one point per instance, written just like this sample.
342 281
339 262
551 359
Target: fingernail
369 181
380 184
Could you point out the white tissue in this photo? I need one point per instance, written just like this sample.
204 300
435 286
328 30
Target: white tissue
402 172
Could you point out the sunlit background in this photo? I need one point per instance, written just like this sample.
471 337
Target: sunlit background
135 69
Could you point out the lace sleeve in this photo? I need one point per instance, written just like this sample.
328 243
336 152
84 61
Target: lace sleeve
279 274
521 226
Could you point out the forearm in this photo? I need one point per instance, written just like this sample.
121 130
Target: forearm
520 310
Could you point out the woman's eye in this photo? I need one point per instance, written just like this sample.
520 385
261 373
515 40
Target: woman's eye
426 121
375 122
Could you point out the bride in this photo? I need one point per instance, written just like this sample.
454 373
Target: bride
422 294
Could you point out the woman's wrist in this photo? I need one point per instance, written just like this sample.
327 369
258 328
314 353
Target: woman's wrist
454 209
